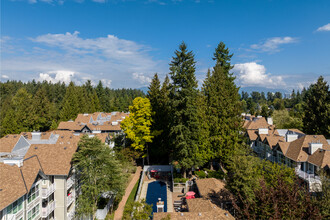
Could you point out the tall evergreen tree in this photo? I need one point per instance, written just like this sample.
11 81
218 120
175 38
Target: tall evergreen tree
184 113
223 107
156 150
317 109
100 91
43 111
71 105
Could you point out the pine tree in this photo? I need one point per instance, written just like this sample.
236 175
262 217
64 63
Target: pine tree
184 112
100 91
223 107
42 111
71 105
154 96
317 109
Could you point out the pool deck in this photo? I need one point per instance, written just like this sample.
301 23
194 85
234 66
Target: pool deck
169 201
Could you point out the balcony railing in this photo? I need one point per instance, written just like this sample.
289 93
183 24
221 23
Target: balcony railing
69 182
70 199
47 210
71 213
46 192
307 175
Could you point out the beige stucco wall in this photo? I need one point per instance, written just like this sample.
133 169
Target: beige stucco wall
60 197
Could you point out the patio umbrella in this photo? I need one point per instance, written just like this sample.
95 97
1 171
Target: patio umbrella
190 193
153 171
190 197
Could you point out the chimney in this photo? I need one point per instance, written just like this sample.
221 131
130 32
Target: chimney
270 121
36 135
314 147
291 137
160 205
263 130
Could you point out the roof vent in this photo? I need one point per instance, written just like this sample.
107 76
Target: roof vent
64 148
15 136
315 136
181 214
199 214
226 214
62 136
35 148
7 136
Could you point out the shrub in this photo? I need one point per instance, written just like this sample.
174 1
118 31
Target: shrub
201 174
215 174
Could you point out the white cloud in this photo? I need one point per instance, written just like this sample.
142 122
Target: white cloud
57 76
253 74
142 78
324 28
4 76
109 58
106 82
273 44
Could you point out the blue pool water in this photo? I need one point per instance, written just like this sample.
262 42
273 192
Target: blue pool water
156 190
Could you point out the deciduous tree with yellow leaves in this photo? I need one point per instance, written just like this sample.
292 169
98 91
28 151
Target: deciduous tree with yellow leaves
137 125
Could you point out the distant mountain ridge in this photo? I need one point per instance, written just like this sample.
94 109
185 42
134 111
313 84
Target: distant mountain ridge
262 89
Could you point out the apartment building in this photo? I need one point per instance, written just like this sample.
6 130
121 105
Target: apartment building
37 180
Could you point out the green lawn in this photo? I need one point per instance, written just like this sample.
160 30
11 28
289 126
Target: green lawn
133 193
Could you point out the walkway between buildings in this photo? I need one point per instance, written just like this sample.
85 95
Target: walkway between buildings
120 210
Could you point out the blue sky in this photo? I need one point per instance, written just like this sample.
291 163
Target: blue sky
276 44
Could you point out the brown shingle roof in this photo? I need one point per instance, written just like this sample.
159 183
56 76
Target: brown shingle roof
257 123
209 187
8 142
200 205
44 135
284 146
11 185
252 134
83 120
298 149
17 181
272 140
56 158
320 158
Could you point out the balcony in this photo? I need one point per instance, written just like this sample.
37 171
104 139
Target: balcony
69 182
46 192
71 213
314 181
47 210
69 199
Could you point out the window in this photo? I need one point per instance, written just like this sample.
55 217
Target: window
15 207
34 193
33 212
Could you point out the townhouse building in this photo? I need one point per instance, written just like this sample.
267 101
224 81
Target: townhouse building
307 154
37 179
98 122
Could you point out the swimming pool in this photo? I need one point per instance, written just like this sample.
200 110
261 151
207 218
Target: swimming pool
156 190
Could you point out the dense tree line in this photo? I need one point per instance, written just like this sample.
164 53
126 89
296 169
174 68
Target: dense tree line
42 105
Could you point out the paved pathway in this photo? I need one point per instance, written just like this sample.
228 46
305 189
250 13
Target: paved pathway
120 210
